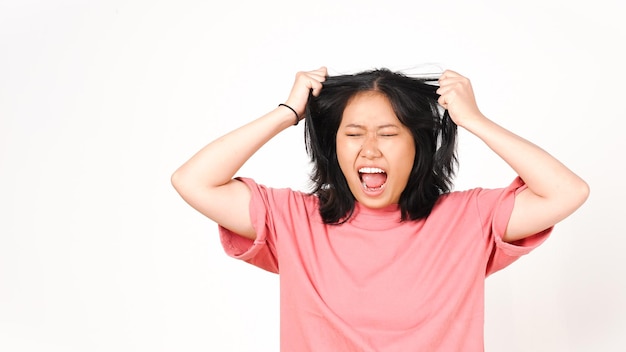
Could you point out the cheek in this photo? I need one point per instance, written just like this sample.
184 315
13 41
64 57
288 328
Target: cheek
405 157
347 152
343 159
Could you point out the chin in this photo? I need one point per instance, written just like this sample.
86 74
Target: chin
375 203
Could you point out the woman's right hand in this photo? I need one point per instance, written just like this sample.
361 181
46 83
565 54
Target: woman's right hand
306 81
206 180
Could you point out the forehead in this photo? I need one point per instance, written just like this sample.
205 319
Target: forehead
369 108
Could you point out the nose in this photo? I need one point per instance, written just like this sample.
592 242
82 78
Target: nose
369 149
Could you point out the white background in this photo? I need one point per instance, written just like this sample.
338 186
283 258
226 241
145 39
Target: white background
100 101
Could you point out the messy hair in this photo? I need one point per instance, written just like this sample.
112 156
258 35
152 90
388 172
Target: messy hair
414 101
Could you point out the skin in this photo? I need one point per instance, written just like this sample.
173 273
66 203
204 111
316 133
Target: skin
206 180
554 192
370 135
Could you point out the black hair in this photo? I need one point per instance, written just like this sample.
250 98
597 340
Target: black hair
414 101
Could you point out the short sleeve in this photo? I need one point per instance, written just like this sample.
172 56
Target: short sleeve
495 207
262 251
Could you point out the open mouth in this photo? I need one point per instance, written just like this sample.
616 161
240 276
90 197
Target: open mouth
372 178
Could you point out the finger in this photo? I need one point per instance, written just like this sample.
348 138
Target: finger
449 77
459 81
444 89
445 81
316 87
319 78
450 73
311 75
319 75
322 70
442 102
312 82
452 86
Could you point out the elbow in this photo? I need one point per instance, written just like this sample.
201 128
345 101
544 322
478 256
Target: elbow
583 191
177 180
579 193
187 184
183 185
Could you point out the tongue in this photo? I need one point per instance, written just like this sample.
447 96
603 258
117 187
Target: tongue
374 180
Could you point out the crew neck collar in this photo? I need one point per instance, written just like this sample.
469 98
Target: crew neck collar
375 219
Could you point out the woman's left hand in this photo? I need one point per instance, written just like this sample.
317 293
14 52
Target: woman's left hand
553 193
457 96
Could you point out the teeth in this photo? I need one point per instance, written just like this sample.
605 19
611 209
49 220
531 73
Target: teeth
371 170
373 189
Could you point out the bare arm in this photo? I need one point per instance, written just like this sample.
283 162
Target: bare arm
206 180
554 192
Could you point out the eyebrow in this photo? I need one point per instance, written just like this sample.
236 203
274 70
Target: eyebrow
354 125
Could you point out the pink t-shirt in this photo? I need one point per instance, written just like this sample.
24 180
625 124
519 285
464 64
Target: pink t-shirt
375 283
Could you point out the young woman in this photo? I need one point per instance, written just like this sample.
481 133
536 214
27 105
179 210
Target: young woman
381 256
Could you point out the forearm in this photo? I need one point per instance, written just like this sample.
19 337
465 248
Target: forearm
554 191
216 164
542 173
206 180
545 176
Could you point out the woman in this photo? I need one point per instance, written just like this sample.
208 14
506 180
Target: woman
381 256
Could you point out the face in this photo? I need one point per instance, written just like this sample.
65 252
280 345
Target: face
375 150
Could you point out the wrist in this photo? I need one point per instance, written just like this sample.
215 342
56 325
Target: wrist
297 116
282 117
471 120
480 126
